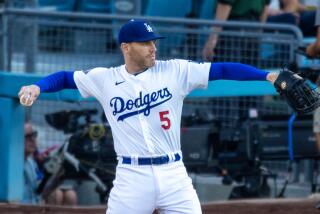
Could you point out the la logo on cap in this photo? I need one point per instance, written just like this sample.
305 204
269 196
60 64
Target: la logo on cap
148 27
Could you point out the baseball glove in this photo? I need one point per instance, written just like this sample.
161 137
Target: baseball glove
300 95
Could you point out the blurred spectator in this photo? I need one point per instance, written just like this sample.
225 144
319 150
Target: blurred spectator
64 195
313 50
243 49
32 173
292 6
236 47
295 13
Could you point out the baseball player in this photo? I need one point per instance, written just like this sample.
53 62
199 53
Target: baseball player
142 101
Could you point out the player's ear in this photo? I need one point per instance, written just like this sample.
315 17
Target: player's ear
124 47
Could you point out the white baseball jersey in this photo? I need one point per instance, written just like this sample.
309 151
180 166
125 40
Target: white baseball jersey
144 110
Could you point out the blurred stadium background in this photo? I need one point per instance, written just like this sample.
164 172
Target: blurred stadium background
234 138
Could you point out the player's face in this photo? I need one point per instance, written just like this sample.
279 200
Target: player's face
143 54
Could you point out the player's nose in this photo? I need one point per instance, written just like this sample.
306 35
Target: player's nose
153 46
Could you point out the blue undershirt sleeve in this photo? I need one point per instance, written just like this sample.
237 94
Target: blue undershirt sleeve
57 81
235 71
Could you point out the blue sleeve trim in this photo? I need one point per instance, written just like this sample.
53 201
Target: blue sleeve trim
57 81
235 71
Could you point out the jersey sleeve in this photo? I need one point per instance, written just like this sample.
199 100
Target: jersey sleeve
192 75
90 83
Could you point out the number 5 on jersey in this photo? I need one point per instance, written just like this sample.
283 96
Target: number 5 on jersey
164 118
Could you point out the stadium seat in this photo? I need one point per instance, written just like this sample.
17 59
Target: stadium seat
144 4
174 9
94 6
168 8
51 37
59 5
207 10
97 40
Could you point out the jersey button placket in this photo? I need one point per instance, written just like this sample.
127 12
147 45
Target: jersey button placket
146 133
144 125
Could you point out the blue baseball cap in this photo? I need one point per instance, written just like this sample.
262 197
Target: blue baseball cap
137 30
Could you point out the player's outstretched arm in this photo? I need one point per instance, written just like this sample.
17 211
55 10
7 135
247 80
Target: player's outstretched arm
239 71
51 83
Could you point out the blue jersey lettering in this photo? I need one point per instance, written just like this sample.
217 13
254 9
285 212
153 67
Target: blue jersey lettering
142 104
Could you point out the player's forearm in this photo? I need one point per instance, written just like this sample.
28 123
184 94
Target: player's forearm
57 81
236 71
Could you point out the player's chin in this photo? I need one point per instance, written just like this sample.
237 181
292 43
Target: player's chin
151 62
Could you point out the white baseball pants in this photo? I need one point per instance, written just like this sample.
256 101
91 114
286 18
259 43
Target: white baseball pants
140 189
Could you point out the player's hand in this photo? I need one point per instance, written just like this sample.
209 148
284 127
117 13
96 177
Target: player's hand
208 49
28 94
272 76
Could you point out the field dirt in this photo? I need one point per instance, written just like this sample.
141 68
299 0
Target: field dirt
266 206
